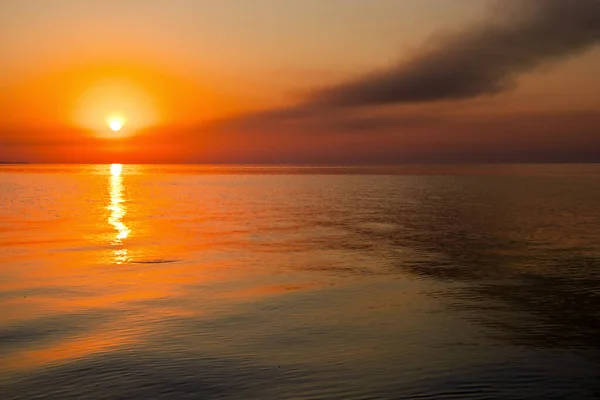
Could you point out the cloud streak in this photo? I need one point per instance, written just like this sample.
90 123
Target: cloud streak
481 60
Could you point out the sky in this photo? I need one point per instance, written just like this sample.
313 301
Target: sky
300 82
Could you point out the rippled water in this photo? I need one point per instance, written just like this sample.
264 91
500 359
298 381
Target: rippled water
189 282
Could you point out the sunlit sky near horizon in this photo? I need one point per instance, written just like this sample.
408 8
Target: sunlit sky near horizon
316 81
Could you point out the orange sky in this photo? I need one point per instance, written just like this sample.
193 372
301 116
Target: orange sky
202 81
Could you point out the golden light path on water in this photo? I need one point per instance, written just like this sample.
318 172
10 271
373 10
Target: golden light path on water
117 212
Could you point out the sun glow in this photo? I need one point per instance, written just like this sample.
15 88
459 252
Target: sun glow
102 108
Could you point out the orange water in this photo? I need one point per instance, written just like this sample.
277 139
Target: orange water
299 282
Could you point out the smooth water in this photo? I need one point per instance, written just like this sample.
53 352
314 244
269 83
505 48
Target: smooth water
198 282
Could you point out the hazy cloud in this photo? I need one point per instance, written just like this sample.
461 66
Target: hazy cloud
480 60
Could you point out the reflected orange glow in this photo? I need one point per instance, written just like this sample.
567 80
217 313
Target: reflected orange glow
71 349
117 212
105 288
270 290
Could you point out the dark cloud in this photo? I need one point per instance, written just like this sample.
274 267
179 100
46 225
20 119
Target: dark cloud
313 121
481 60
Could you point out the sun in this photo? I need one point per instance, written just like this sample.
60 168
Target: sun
115 125
115 122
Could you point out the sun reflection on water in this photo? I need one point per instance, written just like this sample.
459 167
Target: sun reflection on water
117 212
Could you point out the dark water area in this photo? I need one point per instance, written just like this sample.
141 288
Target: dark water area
218 282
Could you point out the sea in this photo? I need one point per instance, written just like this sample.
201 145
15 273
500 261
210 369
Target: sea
299 282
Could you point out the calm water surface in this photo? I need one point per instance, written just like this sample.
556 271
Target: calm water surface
195 282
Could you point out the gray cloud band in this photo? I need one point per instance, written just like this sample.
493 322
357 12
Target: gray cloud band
482 60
